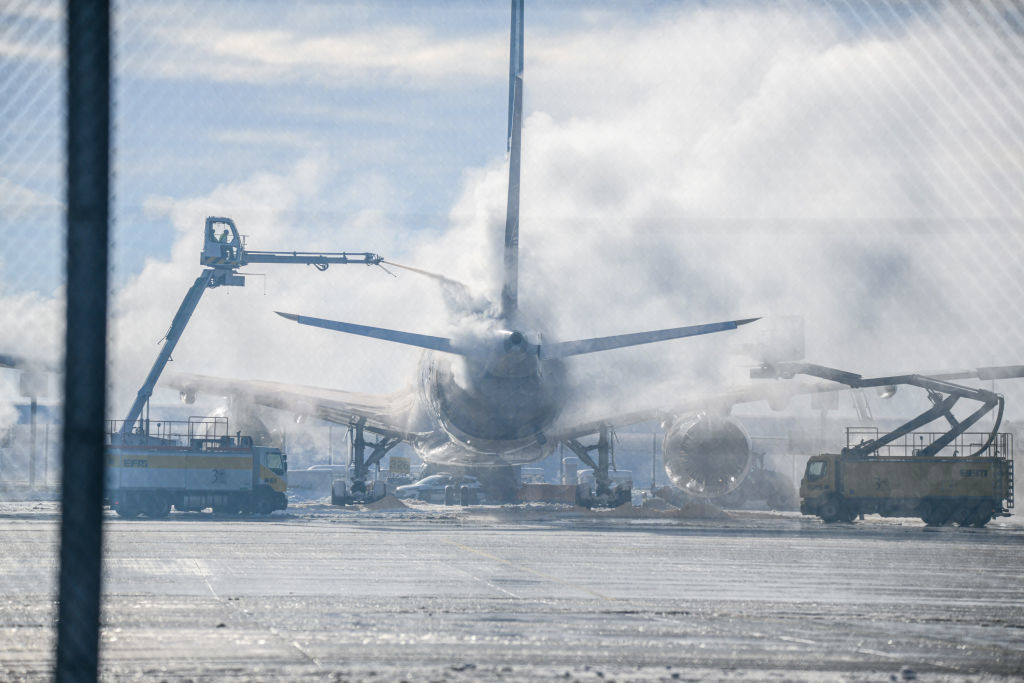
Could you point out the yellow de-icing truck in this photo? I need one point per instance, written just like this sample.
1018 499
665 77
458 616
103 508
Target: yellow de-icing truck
192 466
968 491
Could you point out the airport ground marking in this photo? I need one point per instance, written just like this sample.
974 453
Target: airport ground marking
252 618
542 575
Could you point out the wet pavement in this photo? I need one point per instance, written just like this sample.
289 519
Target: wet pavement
434 593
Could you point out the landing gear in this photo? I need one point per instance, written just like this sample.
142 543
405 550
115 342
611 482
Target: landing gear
605 493
360 490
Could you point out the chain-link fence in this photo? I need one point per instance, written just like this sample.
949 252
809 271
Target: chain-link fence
859 164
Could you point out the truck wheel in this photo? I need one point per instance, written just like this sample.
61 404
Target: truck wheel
126 510
264 506
963 514
157 507
449 495
832 509
464 496
935 513
982 515
128 506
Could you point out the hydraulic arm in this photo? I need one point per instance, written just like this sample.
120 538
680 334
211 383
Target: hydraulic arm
223 254
942 394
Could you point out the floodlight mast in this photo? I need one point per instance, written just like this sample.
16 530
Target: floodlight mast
223 254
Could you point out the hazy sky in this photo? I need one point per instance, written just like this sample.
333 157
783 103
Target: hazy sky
857 163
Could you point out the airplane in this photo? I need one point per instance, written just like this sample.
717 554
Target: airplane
490 396
494 394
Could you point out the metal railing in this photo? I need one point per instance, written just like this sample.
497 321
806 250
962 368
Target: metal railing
906 446
197 430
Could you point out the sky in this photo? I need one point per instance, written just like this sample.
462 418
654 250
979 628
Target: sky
859 164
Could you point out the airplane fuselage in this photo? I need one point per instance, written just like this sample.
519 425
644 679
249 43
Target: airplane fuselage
492 407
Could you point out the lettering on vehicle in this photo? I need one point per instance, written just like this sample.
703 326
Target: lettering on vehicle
973 473
220 477
135 462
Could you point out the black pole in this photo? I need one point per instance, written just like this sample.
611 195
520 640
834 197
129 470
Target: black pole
85 364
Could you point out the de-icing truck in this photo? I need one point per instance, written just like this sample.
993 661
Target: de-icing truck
900 482
152 466
191 466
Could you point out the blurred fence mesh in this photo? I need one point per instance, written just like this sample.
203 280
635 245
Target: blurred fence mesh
860 163
32 64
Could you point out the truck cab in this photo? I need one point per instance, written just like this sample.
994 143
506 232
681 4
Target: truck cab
819 476
819 485
270 469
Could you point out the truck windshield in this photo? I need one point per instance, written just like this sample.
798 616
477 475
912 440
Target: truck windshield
275 463
816 469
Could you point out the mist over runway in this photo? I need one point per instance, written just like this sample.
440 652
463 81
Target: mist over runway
527 593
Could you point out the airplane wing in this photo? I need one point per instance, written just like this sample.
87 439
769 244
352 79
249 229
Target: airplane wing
776 391
394 414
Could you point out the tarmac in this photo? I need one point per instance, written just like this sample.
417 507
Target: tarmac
424 592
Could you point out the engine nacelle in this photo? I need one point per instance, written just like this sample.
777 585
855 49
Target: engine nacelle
706 455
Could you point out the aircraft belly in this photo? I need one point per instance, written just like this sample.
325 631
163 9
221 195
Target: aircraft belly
443 449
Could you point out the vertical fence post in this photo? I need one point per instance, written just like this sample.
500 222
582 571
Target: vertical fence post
85 364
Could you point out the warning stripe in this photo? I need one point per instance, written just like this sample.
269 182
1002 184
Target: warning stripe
178 462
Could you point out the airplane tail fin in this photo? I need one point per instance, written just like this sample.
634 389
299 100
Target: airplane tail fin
510 281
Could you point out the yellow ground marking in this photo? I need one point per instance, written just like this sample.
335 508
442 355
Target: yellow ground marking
542 575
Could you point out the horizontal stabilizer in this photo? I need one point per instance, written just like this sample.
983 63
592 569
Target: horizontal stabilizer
423 341
575 348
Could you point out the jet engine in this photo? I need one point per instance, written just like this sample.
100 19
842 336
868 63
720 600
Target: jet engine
706 455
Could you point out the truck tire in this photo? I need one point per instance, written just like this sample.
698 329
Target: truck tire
465 497
849 513
128 506
264 505
127 510
934 512
982 514
449 495
963 513
832 509
980 522
156 506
